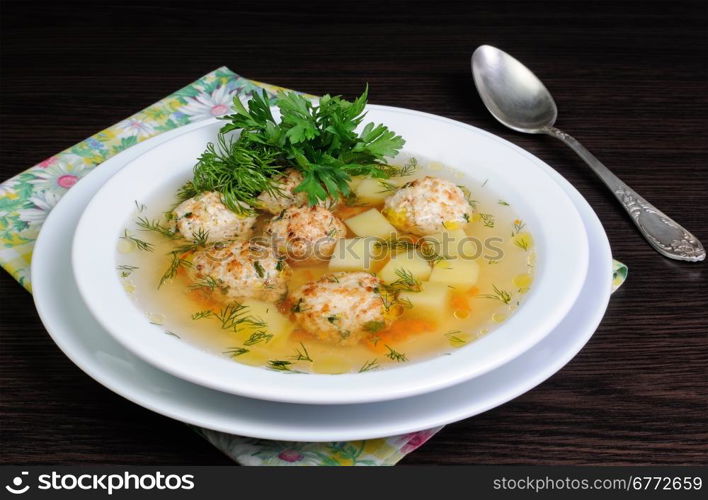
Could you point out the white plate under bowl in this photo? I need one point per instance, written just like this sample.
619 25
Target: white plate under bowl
94 351
512 173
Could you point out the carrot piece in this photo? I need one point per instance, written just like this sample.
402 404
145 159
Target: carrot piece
345 212
399 330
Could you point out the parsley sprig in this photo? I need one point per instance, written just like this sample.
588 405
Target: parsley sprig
320 140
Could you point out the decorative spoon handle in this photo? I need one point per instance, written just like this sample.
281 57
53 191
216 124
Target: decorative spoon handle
663 233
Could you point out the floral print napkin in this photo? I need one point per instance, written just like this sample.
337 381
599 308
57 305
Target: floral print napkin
27 198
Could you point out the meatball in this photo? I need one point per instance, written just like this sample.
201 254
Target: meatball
242 269
207 213
427 206
287 182
305 235
341 308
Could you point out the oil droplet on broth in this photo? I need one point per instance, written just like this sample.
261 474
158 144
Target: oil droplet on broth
498 317
523 282
157 318
125 246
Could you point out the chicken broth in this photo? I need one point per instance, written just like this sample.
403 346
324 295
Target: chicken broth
441 292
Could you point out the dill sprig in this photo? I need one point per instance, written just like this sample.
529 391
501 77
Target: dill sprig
374 326
499 294
394 355
301 355
236 351
257 337
259 269
487 219
388 298
146 224
238 170
234 317
175 265
453 338
208 283
372 364
207 313
178 261
279 365
408 168
406 281
387 187
126 270
140 244
517 227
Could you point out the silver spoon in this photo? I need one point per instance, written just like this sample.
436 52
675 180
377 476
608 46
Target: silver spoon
519 100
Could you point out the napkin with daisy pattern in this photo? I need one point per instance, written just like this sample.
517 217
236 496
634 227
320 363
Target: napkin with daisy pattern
27 198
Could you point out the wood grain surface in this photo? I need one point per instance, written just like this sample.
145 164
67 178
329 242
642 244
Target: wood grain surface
629 79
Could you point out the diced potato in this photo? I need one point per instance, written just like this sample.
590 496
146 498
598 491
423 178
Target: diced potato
355 181
454 243
276 323
409 261
459 273
432 302
371 191
356 254
371 223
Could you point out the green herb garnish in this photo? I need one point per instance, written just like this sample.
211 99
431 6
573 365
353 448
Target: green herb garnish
454 340
499 294
176 263
395 355
208 283
302 355
146 224
279 365
319 140
126 270
487 219
374 326
257 337
236 351
369 365
140 244
406 281
259 269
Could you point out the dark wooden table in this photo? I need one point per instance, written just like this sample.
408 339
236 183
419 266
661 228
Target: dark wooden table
630 81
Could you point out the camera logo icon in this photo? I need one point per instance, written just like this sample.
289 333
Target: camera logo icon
16 487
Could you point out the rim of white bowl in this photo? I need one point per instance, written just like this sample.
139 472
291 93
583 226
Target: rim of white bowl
562 260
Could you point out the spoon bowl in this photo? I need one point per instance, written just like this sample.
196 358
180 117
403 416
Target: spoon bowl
511 92
519 100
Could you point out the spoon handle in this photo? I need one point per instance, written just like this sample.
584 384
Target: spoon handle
663 233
